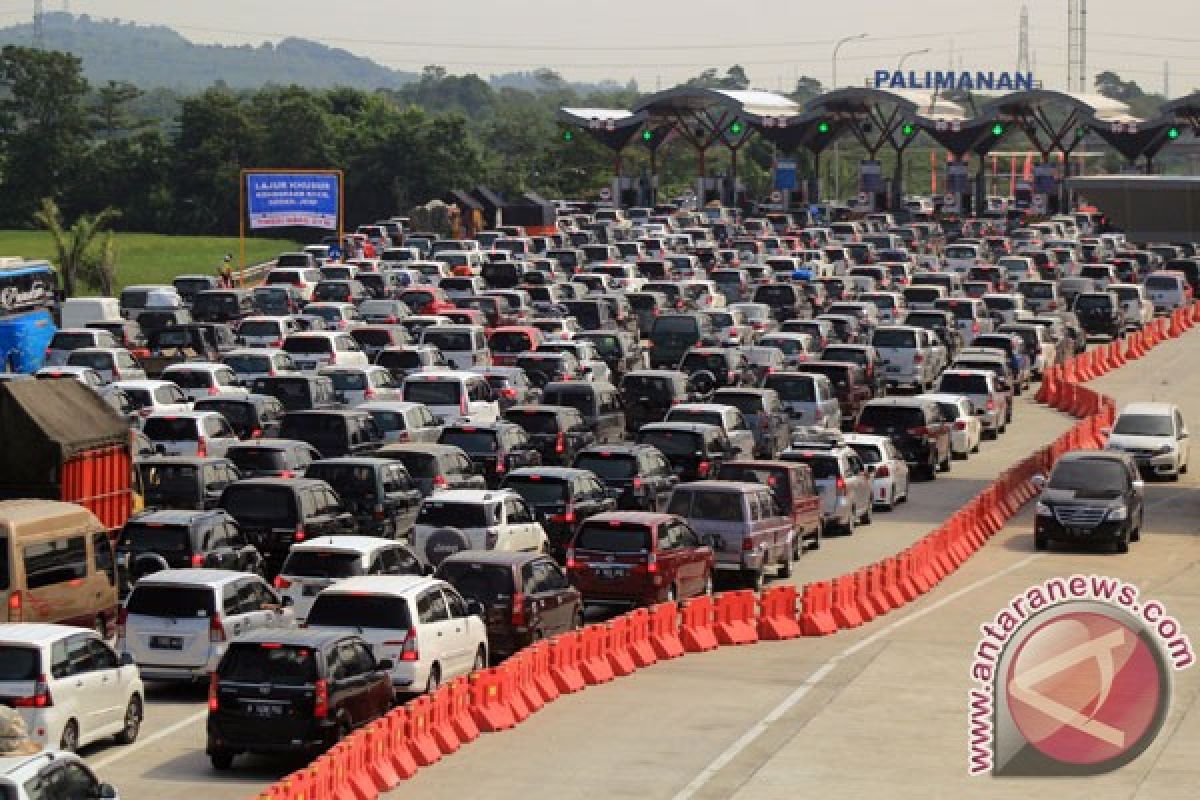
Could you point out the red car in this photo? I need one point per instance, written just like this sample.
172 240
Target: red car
638 558
426 300
511 340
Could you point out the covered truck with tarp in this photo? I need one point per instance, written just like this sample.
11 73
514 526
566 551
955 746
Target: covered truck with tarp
61 441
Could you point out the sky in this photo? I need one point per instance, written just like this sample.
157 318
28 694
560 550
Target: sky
660 44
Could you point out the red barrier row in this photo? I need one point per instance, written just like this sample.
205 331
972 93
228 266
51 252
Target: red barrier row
390 750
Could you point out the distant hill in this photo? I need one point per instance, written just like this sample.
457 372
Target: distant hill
156 56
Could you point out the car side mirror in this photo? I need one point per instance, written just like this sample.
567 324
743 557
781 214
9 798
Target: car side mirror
474 607
384 666
127 660
1039 481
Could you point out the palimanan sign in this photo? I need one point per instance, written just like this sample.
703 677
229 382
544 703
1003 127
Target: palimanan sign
962 81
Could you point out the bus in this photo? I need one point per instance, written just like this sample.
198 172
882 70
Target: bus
29 298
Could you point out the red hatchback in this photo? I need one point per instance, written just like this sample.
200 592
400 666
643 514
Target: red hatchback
638 558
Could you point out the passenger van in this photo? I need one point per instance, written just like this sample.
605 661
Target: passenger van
56 565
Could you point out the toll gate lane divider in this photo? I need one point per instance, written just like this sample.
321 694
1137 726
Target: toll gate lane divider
379 756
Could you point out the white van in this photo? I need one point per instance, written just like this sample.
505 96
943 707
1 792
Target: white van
453 396
464 346
79 311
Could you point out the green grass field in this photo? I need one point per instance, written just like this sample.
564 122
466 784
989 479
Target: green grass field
154 258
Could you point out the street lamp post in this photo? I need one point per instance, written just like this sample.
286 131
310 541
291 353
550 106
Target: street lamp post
905 57
837 155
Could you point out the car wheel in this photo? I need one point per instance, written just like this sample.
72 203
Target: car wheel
1039 542
975 449
481 659
866 517
991 435
100 626
435 679
652 502
785 565
818 535
221 759
70 737
753 578
579 621
133 721
945 465
1135 535
1123 545
851 522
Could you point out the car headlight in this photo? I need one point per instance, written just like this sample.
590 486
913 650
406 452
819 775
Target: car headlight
1043 510
1117 514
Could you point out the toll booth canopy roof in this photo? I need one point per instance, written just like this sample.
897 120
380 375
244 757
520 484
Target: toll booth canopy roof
693 98
915 102
585 116
1104 109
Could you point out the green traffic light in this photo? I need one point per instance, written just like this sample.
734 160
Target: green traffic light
823 127
735 128
997 129
908 129
647 136
1173 133
568 136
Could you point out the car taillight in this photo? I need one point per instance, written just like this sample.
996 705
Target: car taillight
747 544
197 560
369 394
840 485
991 404
214 698
201 447
703 468
919 358
652 564
116 374
439 481
299 535
410 652
974 327
1052 306
122 616
275 343
333 358
216 630
921 431
256 433
960 425
16 607
882 471
518 610
282 582
509 393
860 428
560 443
212 390
321 699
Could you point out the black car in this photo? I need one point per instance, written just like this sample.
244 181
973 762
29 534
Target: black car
283 691
379 492
525 597
275 512
156 540
694 449
727 367
298 392
561 497
600 404
621 351
1091 498
916 427
787 301
254 416
650 393
496 449
1099 314
866 356
640 472
334 432
548 367
405 360
593 315
435 466
672 335
222 305
272 458
186 483
558 432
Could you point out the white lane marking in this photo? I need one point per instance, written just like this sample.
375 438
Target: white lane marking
149 740
789 702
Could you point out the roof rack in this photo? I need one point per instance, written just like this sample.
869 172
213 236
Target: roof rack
813 437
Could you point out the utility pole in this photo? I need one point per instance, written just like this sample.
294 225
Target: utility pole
1023 64
1083 76
1167 80
39 30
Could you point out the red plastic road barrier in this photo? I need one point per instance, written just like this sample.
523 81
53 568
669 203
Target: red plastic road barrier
460 710
376 738
397 751
877 579
696 629
441 720
734 617
862 598
640 648
619 656
522 667
358 756
664 631
1196 312
816 610
777 618
845 609
539 655
423 746
566 654
510 676
891 581
490 708
594 666
1045 392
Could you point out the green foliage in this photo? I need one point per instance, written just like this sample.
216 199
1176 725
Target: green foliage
76 255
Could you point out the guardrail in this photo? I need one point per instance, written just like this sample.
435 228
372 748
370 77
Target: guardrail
252 274
379 756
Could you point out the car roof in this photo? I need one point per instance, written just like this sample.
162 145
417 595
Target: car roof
561 473
1096 455
491 557
692 427
383 584
298 637
36 632
190 577
174 516
720 485
474 495
1150 409
865 438
358 544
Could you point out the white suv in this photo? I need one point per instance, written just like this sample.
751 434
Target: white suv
1155 435
200 379
472 519
322 562
191 433
69 687
315 349
176 623
453 396
28 777
423 625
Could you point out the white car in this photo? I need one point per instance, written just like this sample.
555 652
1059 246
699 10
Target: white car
966 427
191 433
24 777
150 397
201 379
423 625
113 363
453 395
403 422
885 466
265 331
176 623
319 563
69 686
259 362
1155 435
315 349
67 340
353 386
475 519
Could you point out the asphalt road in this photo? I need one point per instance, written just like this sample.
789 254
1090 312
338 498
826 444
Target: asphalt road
878 711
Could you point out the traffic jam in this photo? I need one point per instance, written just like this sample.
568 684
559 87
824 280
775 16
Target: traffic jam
368 476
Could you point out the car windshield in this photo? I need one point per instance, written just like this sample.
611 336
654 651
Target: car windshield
176 602
538 490
958 383
259 503
1144 425
1088 475
673 443
485 583
18 663
322 564
613 538
154 537
283 665
438 513
472 441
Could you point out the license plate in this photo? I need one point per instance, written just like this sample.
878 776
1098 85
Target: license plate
1078 532
610 574
166 642
264 709
891 369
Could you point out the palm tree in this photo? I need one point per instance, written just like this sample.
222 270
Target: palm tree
78 263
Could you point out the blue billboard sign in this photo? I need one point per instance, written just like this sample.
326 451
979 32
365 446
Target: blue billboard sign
289 199
785 174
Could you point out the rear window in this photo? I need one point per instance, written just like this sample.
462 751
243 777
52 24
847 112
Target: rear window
337 610
1038 290
957 383
257 459
775 294
793 389
171 429
190 378
458 515
486 583
894 338
1088 302
612 466
305 426
613 538
582 400
237 414
100 361
673 443
176 602
712 362
892 417
703 417
447 340
248 364
510 342
432 393
640 386
1162 282
399 359
372 337
308 344
282 665
348 381
322 564
71 341
921 294
19 663
715 506
746 403
471 441
539 491
419 465
686 325
155 537
259 502
536 421
824 467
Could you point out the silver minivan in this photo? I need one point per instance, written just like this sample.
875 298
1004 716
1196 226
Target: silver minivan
808 398
971 316
841 480
908 356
